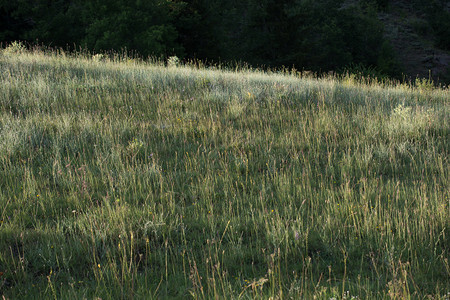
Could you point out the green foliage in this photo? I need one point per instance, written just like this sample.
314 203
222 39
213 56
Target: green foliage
360 72
421 27
14 21
57 23
363 34
387 62
143 26
173 61
315 35
424 84
382 5
438 17
440 21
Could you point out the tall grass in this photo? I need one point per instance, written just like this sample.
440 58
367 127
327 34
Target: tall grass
123 179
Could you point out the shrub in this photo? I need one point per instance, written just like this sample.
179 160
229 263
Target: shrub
173 61
15 48
423 84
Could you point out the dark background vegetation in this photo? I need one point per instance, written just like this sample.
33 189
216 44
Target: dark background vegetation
316 35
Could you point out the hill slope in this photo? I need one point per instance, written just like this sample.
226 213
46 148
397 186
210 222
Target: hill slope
133 180
409 31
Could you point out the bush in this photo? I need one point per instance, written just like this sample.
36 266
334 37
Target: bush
15 48
359 72
173 61
423 84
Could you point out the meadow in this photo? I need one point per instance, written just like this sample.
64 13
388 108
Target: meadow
127 179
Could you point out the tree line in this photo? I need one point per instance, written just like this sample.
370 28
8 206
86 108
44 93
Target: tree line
317 35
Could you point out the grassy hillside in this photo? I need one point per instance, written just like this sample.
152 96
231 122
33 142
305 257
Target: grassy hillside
123 179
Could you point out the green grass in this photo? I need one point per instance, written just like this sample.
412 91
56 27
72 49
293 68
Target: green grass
122 179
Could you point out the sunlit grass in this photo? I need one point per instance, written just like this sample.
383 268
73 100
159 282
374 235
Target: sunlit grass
127 179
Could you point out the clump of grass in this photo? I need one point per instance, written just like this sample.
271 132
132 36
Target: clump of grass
127 179
14 48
